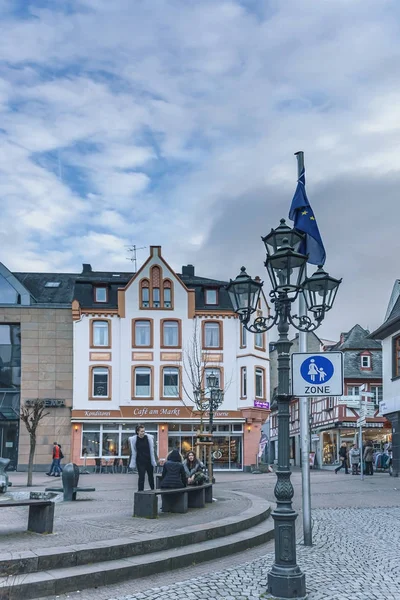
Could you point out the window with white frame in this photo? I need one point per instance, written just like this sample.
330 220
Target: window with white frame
259 340
259 383
366 361
378 391
353 390
243 382
142 382
243 336
142 333
211 335
145 297
100 382
211 297
100 294
167 297
156 297
171 333
100 333
170 382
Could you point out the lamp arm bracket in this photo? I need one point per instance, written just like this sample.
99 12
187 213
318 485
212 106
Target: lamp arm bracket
304 323
260 325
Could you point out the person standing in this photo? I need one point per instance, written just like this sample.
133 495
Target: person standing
355 457
343 458
143 456
368 458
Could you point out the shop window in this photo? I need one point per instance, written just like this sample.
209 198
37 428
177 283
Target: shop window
259 383
100 379
91 441
243 380
110 445
170 382
142 333
171 334
396 357
212 337
100 334
142 382
100 293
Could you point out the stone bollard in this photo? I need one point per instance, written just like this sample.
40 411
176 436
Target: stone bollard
70 479
4 462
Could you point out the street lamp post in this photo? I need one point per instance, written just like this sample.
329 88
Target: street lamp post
210 404
286 270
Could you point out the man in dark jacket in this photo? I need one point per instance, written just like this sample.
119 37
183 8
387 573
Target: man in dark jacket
343 458
173 473
143 456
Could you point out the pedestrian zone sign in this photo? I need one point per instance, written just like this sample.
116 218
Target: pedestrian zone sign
317 374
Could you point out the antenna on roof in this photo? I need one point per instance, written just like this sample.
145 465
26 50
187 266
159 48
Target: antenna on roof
133 250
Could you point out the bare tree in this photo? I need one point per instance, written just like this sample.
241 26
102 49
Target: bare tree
32 413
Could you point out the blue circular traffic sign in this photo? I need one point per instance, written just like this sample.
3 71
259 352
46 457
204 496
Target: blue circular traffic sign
317 369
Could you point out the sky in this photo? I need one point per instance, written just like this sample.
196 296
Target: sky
175 122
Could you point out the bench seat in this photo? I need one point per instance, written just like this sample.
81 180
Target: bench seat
173 500
41 514
74 490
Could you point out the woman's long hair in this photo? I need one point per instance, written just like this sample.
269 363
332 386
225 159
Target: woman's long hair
190 463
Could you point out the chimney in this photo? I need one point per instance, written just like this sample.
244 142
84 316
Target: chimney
341 338
188 271
86 268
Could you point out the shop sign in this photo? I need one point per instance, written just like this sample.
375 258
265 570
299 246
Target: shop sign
48 402
318 375
261 404
148 412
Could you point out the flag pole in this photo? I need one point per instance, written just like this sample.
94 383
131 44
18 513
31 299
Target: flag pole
304 415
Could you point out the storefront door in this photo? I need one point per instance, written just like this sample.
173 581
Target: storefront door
9 442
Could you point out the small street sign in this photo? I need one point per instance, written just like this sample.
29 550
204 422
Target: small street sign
361 422
319 374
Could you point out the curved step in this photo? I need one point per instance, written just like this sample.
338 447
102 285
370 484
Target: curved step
58 581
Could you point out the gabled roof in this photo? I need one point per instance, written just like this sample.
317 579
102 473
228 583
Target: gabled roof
357 338
352 366
36 284
391 323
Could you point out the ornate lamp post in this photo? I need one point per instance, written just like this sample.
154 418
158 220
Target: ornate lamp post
286 270
210 403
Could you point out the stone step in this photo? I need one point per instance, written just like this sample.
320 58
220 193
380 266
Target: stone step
50 558
28 586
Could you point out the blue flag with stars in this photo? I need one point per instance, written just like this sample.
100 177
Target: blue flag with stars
304 221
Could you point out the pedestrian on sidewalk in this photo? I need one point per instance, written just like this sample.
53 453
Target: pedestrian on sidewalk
368 458
173 473
343 458
355 458
54 468
143 456
60 459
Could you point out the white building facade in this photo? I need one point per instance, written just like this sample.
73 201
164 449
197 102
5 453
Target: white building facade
135 337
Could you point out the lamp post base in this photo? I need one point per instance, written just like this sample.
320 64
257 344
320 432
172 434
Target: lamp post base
283 585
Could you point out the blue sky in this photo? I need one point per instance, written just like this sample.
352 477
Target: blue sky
174 122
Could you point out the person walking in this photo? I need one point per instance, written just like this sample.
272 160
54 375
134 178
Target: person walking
143 456
54 468
355 458
194 469
343 458
368 458
173 473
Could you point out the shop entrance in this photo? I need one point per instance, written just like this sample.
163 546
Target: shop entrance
9 442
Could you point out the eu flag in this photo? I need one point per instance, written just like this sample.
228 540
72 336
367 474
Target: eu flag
304 221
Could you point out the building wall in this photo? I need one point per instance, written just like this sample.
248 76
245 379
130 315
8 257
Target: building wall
46 372
391 389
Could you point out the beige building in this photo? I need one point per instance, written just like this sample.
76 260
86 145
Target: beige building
35 362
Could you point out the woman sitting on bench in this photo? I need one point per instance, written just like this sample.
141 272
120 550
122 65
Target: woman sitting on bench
194 469
173 474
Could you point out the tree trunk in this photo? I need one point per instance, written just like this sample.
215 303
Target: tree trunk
32 448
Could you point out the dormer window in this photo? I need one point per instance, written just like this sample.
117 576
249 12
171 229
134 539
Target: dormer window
100 294
365 361
211 296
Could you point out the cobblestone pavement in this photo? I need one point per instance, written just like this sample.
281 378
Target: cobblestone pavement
354 557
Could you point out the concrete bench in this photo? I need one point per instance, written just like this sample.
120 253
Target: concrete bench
41 514
70 479
174 501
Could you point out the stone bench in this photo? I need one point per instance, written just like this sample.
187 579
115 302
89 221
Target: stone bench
173 500
41 514
70 479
